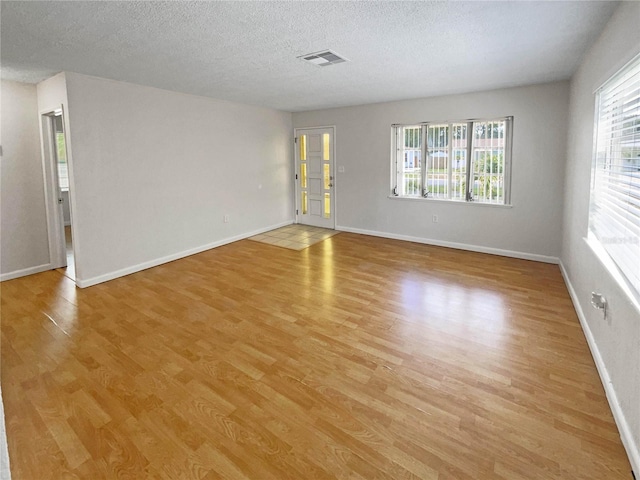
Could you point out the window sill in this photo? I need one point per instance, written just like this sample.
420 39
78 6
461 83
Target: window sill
449 202
618 277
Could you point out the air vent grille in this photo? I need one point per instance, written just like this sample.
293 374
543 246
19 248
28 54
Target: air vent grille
323 59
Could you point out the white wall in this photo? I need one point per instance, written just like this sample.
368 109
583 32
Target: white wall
532 228
24 246
617 340
52 94
153 173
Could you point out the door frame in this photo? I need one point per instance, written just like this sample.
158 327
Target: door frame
296 189
55 217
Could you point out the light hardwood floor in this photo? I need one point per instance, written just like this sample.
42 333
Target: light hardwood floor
358 357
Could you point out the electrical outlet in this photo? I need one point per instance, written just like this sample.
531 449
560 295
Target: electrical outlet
599 302
434 218
225 219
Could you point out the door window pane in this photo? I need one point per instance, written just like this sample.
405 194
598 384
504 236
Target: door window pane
327 205
303 175
326 147
303 147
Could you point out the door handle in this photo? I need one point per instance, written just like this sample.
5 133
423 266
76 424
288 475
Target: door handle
60 200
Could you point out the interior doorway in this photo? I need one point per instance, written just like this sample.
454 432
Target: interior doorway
64 190
59 187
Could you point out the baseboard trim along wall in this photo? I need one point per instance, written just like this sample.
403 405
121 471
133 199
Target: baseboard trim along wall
26 271
83 283
460 246
633 452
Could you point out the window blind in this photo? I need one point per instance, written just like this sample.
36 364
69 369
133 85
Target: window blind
615 197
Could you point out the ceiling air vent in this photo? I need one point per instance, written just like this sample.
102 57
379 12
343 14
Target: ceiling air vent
323 59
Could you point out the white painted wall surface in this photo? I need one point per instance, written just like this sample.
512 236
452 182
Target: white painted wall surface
23 237
52 93
617 339
154 172
532 227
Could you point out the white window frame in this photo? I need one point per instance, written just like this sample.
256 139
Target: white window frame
614 225
397 160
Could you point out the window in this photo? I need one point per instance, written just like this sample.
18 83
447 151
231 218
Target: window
61 152
614 213
465 161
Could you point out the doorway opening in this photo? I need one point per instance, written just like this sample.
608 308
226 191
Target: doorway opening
60 216
63 186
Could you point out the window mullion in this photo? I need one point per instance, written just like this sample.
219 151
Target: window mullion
507 159
450 162
470 132
423 170
397 154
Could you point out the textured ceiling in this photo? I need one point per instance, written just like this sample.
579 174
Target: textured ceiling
246 51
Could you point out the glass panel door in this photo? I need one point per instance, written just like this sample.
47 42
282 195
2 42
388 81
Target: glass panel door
315 177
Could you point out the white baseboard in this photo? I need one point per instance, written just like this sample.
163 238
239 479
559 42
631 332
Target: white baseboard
83 283
26 271
460 246
633 452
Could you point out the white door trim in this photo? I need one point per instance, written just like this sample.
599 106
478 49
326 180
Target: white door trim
55 218
57 256
296 189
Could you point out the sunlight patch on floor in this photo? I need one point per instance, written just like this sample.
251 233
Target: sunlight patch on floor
295 237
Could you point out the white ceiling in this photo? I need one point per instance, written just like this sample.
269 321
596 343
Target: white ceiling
246 51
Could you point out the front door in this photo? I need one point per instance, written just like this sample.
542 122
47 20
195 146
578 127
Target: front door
315 202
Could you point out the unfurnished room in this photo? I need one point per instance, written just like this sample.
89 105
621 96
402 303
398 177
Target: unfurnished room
320 240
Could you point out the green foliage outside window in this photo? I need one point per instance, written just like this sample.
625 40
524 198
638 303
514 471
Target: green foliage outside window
489 170
62 151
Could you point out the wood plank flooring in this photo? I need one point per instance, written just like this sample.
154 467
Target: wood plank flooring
359 358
